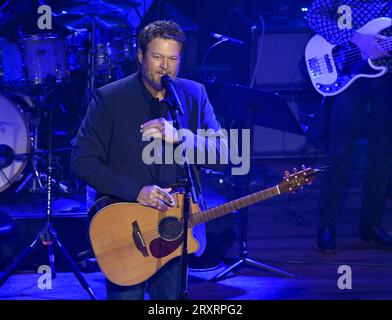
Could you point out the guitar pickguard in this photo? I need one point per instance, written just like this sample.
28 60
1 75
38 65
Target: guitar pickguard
160 248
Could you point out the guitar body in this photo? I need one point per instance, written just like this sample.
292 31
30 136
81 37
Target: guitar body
131 241
332 68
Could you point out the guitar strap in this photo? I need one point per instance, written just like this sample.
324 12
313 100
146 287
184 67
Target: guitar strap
199 186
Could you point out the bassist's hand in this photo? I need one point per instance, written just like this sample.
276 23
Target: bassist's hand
156 197
370 45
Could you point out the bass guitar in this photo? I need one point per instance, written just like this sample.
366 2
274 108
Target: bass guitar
333 68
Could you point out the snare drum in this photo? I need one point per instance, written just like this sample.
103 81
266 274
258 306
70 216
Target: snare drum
14 132
45 58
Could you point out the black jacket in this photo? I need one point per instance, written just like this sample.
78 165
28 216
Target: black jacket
107 151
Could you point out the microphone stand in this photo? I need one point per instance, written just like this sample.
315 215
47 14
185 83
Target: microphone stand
189 192
203 65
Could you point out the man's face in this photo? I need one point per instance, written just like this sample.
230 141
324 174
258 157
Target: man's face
161 57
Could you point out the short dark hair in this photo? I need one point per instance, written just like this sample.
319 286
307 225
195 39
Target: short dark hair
160 29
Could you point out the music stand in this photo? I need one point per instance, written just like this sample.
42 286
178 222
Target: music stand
256 107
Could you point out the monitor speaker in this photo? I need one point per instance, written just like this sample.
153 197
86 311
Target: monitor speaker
280 58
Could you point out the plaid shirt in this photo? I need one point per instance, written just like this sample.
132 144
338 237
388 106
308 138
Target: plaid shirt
323 18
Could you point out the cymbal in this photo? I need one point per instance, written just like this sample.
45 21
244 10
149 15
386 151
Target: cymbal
86 7
81 21
67 18
123 4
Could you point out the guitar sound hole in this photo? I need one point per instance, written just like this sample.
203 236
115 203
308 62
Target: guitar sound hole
170 228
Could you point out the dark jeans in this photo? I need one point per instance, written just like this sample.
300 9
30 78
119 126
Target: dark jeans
371 98
163 285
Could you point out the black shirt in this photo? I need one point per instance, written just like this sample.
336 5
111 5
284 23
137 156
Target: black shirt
164 174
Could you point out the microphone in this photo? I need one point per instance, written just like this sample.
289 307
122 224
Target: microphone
167 83
224 38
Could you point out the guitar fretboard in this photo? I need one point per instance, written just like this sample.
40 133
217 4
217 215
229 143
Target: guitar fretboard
209 214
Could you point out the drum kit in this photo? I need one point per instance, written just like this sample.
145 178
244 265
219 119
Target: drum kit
100 44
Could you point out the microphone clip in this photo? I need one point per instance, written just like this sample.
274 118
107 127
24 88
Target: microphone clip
167 83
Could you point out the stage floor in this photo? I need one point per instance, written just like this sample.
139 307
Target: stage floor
275 240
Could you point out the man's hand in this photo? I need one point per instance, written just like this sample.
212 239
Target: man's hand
156 197
161 129
369 45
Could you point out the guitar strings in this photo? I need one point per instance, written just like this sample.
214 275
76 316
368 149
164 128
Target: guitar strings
324 68
197 218
350 56
387 48
356 49
353 59
355 52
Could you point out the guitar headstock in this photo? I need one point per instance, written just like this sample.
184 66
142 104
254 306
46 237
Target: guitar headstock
296 180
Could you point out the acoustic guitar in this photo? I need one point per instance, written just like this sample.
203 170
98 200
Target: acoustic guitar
132 242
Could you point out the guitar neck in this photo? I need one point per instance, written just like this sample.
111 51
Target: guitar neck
231 206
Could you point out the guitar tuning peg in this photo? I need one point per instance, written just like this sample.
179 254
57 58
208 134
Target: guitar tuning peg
295 170
286 174
303 167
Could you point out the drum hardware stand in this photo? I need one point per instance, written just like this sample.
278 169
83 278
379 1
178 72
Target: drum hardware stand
91 63
37 185
35 175
48 235
35 154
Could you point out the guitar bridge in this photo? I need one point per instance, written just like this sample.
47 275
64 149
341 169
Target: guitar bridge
138 239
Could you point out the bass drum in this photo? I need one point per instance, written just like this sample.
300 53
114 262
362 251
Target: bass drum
14 132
